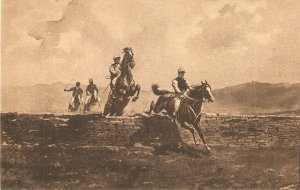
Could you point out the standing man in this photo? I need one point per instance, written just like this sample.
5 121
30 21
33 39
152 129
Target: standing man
115 73
77 93
180 85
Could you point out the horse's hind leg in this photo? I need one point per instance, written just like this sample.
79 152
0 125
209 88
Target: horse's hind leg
120 113
107 109
191 129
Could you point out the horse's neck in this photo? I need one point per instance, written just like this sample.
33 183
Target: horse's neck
197 106
126 71
126 74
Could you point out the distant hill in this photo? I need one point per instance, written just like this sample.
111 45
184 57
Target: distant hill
248 98
255 97
52 98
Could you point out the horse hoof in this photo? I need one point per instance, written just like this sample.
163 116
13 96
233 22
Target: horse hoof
135 99
209 150
164 112
148 112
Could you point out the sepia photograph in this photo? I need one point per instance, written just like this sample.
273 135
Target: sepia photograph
150 94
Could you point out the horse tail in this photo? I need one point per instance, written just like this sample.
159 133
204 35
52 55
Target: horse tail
157 91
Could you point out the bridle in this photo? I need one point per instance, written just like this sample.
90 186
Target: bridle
202 88
197 116
204 99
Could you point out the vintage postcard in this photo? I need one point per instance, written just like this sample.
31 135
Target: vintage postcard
150 94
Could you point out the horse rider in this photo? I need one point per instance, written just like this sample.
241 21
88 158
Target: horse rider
91 90
180 85
77 93
115 73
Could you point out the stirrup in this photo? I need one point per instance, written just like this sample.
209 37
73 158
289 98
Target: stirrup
174 114
164 112
113 95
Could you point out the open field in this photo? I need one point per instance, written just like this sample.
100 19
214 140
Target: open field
64 166
68 167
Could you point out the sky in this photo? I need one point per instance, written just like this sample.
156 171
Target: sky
225 42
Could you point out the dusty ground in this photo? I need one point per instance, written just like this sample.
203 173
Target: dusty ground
65 167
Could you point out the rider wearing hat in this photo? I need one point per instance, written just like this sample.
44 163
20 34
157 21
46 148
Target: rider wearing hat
115 73
77 92
91 90
180 85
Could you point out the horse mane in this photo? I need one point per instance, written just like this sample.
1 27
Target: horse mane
196 90
197 87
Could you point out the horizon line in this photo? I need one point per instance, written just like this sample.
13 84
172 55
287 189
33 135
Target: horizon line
32 85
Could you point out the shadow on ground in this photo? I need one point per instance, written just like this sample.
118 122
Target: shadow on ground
160 133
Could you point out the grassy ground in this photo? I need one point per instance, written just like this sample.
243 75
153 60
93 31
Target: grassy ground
62 166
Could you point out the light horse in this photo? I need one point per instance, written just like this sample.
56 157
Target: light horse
189 113
125 88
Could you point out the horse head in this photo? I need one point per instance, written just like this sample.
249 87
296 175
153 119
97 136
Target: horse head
202 92
128 60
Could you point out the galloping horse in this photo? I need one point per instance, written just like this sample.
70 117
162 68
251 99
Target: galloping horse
126 88
189 113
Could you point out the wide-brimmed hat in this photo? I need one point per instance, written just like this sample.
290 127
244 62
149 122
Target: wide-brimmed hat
181 70
116 57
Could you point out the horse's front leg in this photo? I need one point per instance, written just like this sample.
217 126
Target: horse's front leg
199 130
137 91
191 129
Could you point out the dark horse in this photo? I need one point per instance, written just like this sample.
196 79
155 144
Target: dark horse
76 104
126 88
189 113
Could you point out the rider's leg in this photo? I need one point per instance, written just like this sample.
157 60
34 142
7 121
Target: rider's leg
113 90
177 101
71 102
87 99
96 96
113 86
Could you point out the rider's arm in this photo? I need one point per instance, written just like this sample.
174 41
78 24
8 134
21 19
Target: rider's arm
96 89
175 86
188 84
112 70
71 89
87 90
80 95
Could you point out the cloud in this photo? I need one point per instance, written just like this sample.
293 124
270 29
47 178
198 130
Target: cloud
229 26
224 41
68 40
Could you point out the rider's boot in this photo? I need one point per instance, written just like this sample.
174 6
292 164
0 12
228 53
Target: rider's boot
175 113
114 93
70 107
177 103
